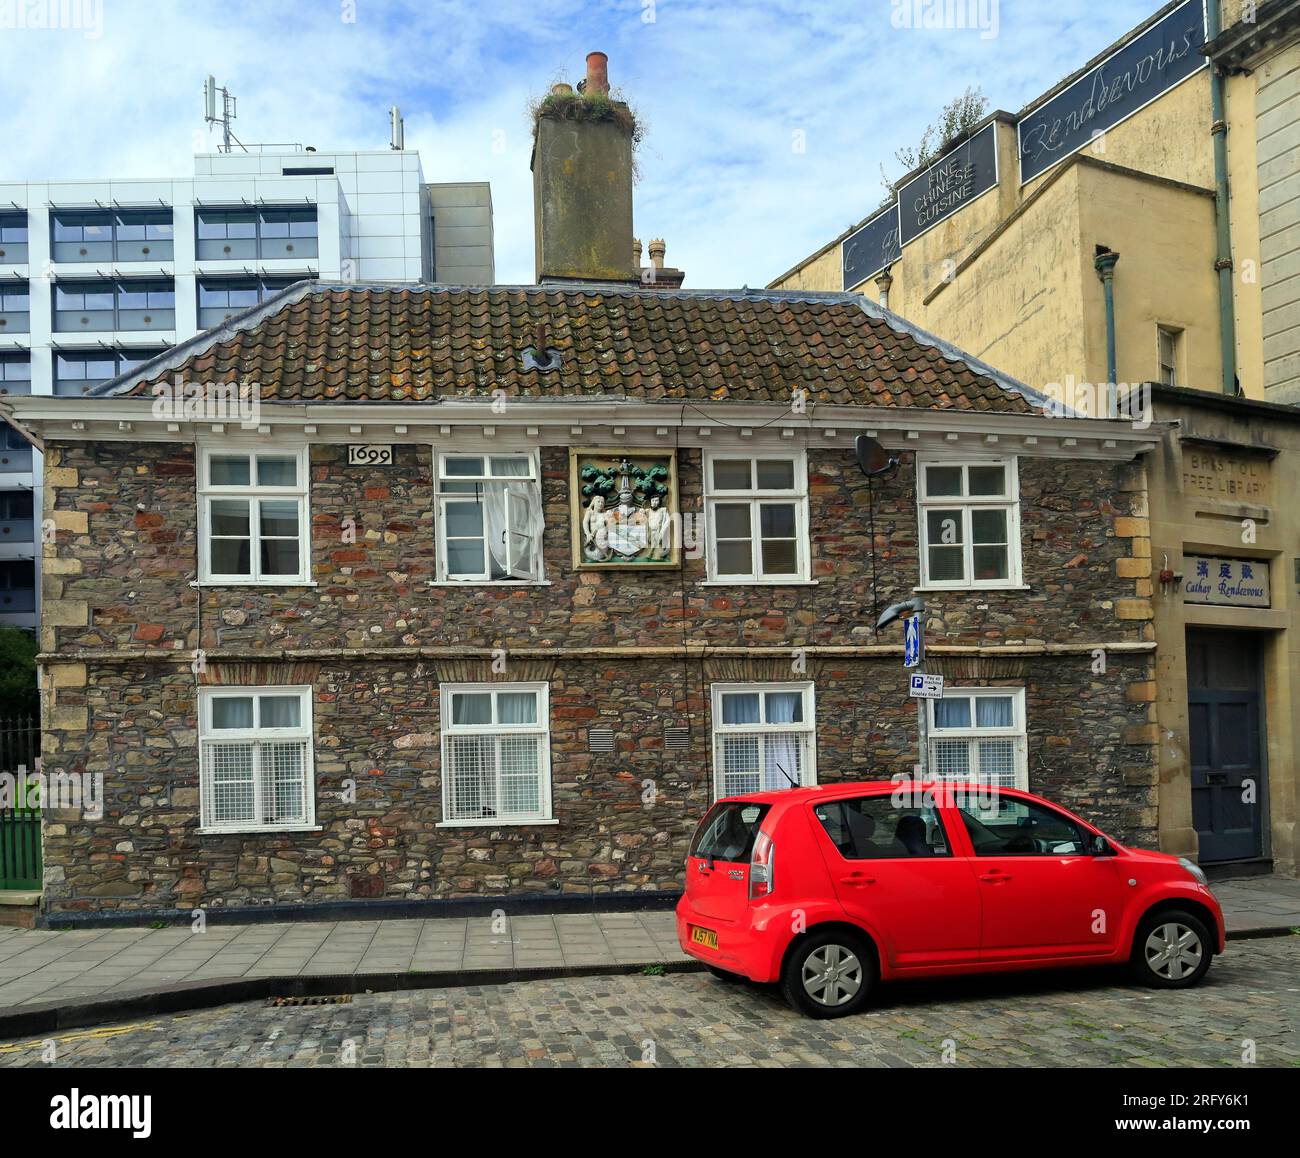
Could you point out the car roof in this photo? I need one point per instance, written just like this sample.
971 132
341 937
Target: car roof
847 788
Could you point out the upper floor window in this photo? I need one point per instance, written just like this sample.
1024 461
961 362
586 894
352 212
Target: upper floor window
224 297
268 232
16 373
1170 341
15 308
253 517
977 735
17 586
757 510
255 758
489 517
763 737
970 523
495 753
103 304
78 371
13 238
112 235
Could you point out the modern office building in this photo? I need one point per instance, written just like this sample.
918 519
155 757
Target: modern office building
98 276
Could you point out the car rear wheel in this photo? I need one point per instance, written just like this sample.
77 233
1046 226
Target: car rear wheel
829 974
1172 950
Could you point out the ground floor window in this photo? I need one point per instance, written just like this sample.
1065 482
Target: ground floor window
495 754
255 758
978 735
763 737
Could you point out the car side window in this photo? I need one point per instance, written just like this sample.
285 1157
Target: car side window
876 828
1010 827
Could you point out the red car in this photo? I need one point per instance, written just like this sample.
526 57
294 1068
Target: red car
828 890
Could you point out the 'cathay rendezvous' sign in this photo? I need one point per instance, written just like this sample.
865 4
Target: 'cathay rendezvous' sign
1235 582
1148 65
1130 78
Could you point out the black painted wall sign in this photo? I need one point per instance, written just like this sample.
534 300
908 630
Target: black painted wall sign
870 248
1165 54
950 184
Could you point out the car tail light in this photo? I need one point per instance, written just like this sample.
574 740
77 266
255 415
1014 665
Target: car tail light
760 868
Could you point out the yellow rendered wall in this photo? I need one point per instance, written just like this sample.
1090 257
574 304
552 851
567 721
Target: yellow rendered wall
1165 276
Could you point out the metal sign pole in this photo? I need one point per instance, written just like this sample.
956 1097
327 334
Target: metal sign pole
922 708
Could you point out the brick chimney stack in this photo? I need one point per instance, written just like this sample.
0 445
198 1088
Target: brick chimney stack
582 182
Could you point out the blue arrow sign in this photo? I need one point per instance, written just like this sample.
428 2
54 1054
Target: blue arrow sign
913 641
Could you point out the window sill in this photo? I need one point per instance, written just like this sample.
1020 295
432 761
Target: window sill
972 590
254 583
488 583
758 583
493 823
260 828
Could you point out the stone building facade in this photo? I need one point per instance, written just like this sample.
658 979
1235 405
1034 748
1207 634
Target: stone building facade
630 663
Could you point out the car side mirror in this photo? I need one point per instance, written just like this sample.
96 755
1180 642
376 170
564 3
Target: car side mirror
1100 846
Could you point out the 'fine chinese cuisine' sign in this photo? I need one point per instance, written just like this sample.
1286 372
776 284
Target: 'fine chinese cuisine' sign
950 184
1235 582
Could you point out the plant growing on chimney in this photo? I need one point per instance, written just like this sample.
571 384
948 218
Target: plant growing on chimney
588 107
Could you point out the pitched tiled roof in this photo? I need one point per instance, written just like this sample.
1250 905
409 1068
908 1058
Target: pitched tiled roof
320 342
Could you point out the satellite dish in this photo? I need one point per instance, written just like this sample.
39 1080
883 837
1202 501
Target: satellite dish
873 459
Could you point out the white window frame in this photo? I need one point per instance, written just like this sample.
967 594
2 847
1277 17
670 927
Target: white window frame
807 728
255 735
253 494
1009 501
757 498
541 729
442 500
1174 336
1016 731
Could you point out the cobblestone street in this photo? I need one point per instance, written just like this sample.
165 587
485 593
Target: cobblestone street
1082 1018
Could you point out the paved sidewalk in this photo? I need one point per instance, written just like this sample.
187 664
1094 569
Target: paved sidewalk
39 966
1251 904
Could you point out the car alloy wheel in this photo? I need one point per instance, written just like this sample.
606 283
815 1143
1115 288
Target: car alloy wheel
1173 951
832 975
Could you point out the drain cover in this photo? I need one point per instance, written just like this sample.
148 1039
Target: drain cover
330 999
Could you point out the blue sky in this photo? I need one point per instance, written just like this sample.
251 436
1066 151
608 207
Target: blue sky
768 120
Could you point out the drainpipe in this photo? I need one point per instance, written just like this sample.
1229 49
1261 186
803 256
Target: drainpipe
1222 221
883 282
1105 266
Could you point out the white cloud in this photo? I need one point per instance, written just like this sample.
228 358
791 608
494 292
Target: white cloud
723 86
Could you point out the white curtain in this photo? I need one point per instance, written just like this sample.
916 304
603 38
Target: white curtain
495 517
782 751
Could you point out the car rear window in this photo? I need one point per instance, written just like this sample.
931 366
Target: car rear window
728 831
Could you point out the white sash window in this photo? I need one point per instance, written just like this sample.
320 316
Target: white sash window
496 762
977 736
489 518
764 737
969 522
255 759
253 517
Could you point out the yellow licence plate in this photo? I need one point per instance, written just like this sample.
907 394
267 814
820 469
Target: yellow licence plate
706 937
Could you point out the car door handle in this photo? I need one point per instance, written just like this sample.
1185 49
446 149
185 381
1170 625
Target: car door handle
857 880
995 878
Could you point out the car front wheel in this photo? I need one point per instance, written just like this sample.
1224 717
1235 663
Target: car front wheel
1172 950
829 974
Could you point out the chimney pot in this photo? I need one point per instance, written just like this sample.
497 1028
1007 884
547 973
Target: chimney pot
597 73
658 250
561 88
636 253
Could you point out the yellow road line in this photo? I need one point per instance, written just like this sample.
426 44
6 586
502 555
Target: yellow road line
87 1035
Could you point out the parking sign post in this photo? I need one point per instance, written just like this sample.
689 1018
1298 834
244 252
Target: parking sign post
921 685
